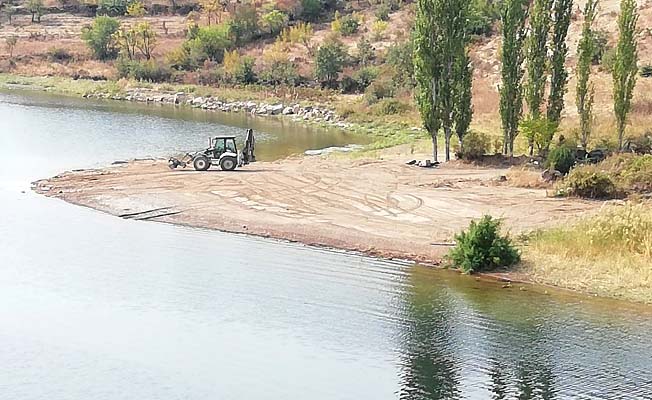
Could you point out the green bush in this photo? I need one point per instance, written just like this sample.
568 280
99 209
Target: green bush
99 37
145 71
482 15
312 9
600 41
589 182
483 248
378 90
608 59
213 41
475 145
382 13
245 73
400 58
113 8
280 72
390 106
349 25
330 60
561 158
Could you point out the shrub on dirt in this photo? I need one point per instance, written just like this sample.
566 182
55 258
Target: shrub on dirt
99 37
390 106
378 90
475 145
349 25
561 158
330 60
58 54
608 60
382 13
213 41
280 72
113 8
589 182
482 248
144 71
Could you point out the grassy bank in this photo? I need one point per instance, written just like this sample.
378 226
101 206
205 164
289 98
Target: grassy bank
609 254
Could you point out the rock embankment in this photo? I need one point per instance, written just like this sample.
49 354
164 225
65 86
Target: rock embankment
300 113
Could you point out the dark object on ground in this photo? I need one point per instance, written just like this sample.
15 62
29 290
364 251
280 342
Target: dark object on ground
411 162
222 151
551 175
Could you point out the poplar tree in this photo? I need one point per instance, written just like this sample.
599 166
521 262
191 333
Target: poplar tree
625 65
439 46
558 75
427 70
463 97
536 56
585 90
513 16
536 60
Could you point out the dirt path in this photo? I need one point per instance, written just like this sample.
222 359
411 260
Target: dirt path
380 207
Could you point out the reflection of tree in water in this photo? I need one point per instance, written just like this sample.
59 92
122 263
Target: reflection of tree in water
450 325
520 348
429 369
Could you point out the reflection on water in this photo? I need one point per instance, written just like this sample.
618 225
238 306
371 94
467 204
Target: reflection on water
466 339
95 307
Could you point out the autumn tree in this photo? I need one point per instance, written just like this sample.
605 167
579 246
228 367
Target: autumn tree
625 65
585 90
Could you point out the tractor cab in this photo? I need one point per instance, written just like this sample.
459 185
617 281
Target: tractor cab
223 144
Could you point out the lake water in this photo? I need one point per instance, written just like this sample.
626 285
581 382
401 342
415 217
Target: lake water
95 307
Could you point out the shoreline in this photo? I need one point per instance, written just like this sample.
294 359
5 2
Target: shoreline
379 208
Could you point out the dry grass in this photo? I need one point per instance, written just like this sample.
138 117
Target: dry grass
609 254
526 178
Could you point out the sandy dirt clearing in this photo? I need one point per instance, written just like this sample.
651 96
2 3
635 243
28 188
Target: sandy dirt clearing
379 207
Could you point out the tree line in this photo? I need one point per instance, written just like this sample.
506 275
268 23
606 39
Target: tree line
534 77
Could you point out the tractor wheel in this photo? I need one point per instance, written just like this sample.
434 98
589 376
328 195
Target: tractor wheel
228 163
201 163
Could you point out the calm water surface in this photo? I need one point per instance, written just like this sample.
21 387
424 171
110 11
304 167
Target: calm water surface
95 307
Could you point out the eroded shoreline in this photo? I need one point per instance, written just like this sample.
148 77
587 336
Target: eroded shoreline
378 207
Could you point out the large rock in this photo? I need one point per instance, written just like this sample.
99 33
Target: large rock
276 109
288 111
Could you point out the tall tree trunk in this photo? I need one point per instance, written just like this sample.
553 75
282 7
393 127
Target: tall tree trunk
434 146
447 136
621 133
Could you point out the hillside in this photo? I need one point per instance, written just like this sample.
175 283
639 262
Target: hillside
54 47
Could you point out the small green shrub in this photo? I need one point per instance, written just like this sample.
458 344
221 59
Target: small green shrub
349 25
589 182
382 13
146 71
561 158
280 72
608 59
483 248
378 90
475 145
390 106
99 37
